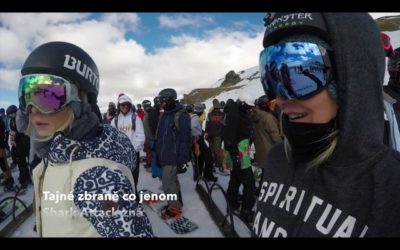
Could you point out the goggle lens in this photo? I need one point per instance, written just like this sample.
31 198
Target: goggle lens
48 93
294 70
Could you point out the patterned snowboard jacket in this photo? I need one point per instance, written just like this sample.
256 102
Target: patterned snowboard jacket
81 174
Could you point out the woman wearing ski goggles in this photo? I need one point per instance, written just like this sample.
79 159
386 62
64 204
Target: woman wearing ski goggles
326 71
45 98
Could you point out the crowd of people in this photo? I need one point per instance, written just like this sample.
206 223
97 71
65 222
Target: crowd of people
326 159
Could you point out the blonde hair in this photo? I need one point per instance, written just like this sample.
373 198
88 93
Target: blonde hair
323 156
65 126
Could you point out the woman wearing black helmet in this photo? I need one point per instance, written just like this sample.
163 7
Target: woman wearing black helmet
332 176
83 182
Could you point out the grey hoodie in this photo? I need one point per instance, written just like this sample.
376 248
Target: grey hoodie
357 192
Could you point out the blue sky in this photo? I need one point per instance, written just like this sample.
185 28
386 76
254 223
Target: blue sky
137 53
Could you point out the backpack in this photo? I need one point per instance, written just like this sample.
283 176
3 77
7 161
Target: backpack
177 116
133 119
176 120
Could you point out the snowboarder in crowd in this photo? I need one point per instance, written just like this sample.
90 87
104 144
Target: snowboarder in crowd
139 111
201 110
154 117
172 147
391 94
266 129
203 158
80 155
236 135
213 132
11 144
4 119
387 45
129 123
21 143
147 132
333 160
7 179
110 114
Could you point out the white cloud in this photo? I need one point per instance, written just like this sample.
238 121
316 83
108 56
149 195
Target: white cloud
10 78
124 65
180 20
32 24
127 21
13 49
19 31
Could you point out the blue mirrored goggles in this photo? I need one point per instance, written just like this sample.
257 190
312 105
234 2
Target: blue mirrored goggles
294 70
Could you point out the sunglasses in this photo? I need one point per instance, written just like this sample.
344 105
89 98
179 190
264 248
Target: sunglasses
48 93
294 70
125 104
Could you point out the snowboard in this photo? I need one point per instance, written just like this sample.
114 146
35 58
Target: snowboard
182 225
15 189
6 208
223 173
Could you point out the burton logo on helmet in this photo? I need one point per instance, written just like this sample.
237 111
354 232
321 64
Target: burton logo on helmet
75 64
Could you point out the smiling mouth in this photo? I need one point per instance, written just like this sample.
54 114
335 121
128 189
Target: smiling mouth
293 117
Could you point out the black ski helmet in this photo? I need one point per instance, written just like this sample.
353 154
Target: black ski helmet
156 101
189 108
11 110
68 61
146 104
168 94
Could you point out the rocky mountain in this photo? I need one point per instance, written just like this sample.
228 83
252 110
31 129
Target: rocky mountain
231 82
389 23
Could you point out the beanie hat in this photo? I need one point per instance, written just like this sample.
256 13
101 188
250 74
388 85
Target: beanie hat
216 104
124 98
283 24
